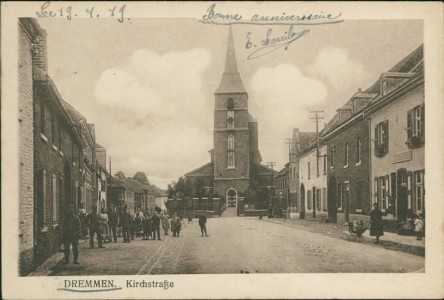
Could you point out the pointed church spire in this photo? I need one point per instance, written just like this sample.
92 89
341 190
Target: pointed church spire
231 81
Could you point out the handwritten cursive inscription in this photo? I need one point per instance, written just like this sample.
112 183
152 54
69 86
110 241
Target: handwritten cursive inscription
271 43
68 12
214 17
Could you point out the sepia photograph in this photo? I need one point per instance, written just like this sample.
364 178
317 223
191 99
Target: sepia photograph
229 142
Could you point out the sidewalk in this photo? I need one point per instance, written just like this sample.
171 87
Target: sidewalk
46 268
392 241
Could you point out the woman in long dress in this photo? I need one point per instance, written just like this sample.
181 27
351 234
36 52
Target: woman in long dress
103 223
376 228
165 223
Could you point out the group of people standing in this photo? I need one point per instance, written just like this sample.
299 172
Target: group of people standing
104 226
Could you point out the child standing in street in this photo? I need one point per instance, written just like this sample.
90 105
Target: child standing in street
419 227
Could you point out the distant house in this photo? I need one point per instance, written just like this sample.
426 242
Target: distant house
161 196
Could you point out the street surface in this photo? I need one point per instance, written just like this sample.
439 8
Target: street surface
236 245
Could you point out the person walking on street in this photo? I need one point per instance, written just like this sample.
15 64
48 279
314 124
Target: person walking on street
203 224
176 225
82 216
71 230
125 223
92 219
165 222
155 221
376 228
112 221
419 227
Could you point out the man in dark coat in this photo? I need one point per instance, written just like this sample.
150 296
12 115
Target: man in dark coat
92 219
125 223
203 224
112 220
71 230
376 228
176 225
155 221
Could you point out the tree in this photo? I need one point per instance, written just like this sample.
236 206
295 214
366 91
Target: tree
141 177
120 175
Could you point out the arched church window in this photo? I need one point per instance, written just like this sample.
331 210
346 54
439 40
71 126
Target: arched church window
230 104
230 150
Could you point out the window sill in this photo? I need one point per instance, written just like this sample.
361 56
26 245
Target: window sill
346 166
340 209
358 210
74 164
43 137
358 163
231 168
331 168
54 147
44 229
61 153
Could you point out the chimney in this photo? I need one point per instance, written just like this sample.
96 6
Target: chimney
40 56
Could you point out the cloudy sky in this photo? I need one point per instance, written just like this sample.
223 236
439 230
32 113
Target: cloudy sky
148 84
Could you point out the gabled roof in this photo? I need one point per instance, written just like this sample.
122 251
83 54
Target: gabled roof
205 170
261 170
156 191
132 184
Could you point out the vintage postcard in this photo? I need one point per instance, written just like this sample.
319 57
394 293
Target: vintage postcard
222 150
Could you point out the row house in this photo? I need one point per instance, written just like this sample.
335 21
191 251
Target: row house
55 152
313 182
373 152
50 152
347 140
160 196
397 119
299 142
281 183
88 188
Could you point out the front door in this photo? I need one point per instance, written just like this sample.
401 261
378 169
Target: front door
302 196
231 198
314 203
332 200
401 194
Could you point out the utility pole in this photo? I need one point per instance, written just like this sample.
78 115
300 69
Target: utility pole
289 142
317 115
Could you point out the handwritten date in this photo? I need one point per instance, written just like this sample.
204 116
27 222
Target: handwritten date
68 12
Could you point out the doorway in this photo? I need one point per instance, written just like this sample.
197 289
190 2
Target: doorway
302 193
231 198
314 202
332 204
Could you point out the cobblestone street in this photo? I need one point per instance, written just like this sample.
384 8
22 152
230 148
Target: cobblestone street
237 245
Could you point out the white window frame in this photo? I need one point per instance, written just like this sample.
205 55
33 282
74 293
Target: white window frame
54 198
419 191
359 154
347 158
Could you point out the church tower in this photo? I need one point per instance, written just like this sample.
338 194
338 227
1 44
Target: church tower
231 131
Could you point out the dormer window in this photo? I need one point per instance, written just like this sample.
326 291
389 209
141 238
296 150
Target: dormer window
384 87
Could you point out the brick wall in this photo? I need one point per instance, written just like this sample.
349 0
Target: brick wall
26 155
356 171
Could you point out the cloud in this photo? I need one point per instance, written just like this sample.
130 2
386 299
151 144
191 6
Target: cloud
281 98
340 72
153 109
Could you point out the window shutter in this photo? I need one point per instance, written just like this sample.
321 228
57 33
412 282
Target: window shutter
409 190
409 124
386 136
376 192
387 189
422 123
376 140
